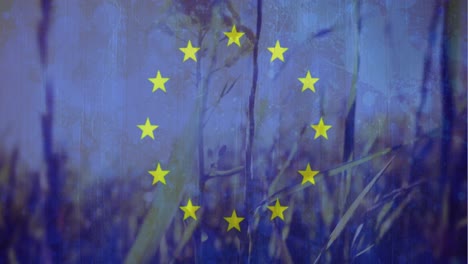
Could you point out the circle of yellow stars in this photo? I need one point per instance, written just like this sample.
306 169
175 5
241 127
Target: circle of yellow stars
147 129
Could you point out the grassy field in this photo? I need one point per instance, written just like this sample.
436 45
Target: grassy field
377 199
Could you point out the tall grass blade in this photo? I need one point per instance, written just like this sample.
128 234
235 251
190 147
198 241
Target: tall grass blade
349 213
356 234
383 212
364 250
331 172
392 217
285 254
188 234
352 209
167 199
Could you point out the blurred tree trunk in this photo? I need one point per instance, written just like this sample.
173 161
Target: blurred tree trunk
450 176
251 239
53 199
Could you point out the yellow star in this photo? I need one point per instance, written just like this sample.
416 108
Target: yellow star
277 52
308 175
234 221
158 82
158 175
189 210
308 82
147 129
189 51
321 129
234 36
277 210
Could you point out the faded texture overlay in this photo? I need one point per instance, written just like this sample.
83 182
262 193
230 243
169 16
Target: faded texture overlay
214 131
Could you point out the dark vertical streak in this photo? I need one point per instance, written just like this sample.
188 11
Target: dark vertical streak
419 149
447 180
446 96
349 131
251 132
423 91
427 64
52 202
201 151
251 110
201 155
350 117
8 214
42 30
348 148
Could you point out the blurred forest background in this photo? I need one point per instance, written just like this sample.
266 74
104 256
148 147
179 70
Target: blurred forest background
234 129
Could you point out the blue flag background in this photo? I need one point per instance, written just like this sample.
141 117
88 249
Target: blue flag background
234 130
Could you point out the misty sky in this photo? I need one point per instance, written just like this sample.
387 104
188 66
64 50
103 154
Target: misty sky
103 52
